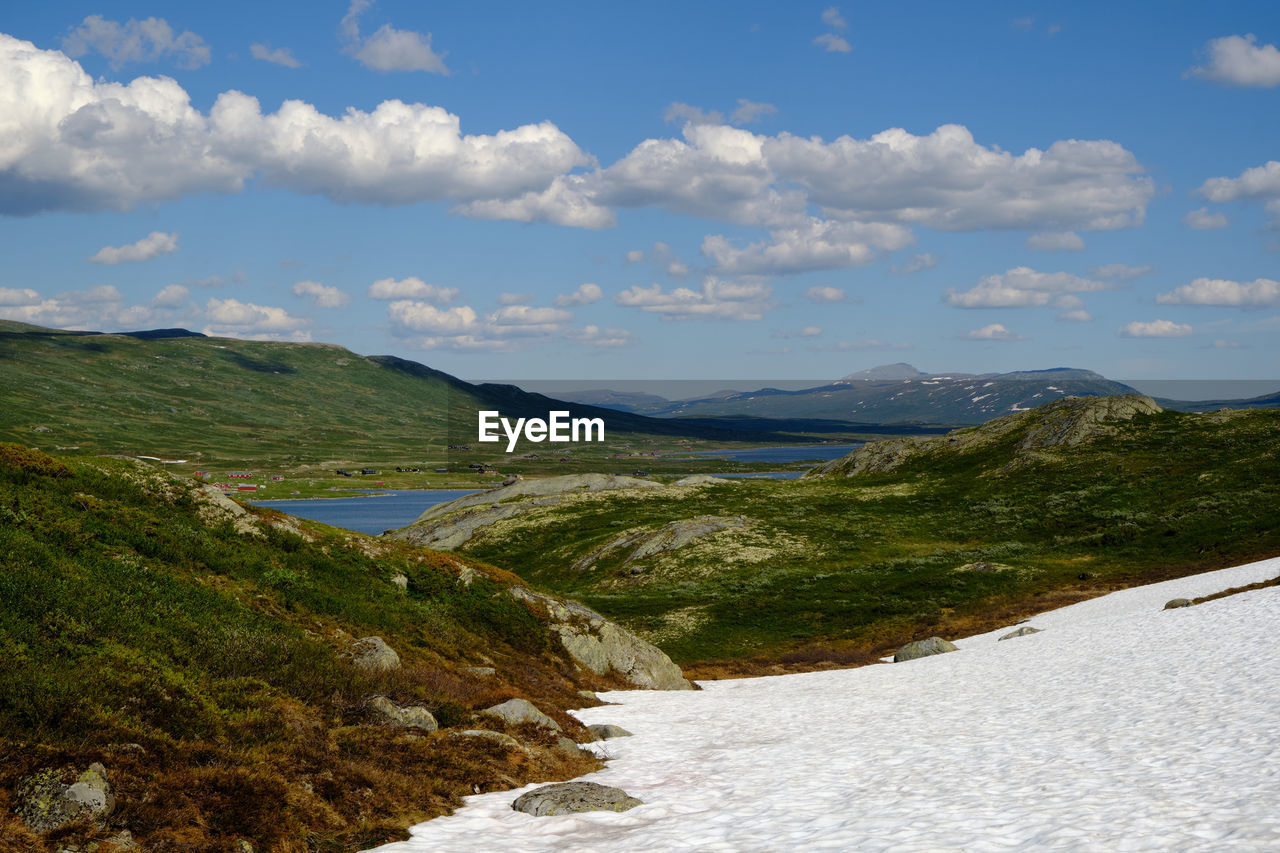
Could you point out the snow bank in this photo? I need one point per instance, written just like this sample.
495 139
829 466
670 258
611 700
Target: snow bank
1122 726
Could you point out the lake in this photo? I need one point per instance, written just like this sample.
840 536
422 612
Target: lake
370 514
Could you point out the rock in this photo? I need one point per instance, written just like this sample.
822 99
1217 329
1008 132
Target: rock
1021 632
704 480
574 797
497 737
606 731
372 654
481 671
565 746
123 841
517 711
587 694
1177 602
983 566
924 648
401 581
45 803
388 713
668 537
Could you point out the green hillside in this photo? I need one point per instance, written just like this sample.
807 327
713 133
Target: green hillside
941 535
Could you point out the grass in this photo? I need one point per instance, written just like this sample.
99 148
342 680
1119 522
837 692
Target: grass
204 666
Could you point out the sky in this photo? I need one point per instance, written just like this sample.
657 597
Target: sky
660 190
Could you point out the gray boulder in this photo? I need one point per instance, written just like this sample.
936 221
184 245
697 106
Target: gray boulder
923 649
1175 603
1021 632
497 737
605 731
481 671
516 711
388 713
574 797
372 654
45 803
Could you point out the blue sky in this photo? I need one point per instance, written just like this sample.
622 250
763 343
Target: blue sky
668 190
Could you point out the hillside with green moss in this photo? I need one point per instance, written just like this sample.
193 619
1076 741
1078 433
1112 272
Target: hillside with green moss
938 535
208 657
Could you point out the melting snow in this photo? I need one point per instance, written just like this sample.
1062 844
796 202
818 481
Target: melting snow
1122 726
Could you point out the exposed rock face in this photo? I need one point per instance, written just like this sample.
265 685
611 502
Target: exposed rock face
215 506
983 566
668 537
517 711
373 654
1021 632
1175 603
45 803
574 797
923 649
1063 423
388 713
607 731
604 647
704 480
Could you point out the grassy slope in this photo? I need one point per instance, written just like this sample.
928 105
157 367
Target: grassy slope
860 564
203 666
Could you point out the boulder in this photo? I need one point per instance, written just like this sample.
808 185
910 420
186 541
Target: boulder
565 746
401 581
481 671
516 711
574 797
45 803
1021 632
606 731
387 713
924 648
497 737
1177 602
372 654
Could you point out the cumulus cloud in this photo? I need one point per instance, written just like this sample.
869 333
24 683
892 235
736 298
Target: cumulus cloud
668 261
1216 291
1023 287
1120 272
717 300
97 308
11 297
515 298
1202 220
232 318
584 295
1260 183
389 49
463 328
1155 329
279 56
136 41
917 263
1240 61
322 295
994 332
832 18
151 246
749 111
594 336
171 296
833 43
1055 241
1079 315
823 295
634 256
564 202
817 245
411 288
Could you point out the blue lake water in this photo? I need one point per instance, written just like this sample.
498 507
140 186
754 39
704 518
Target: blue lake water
798 453
370 514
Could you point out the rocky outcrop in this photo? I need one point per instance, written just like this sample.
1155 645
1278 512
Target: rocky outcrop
1175 603
45 803
605 647
923 649
1063 423
1021 632
668 537
574 797
372 654
387 713
516 711
704 480
984 567
608 731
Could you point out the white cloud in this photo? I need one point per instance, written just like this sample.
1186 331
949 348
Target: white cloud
994 332
634 256
563 202
18 297
235 319
515 298
462 328
1202 220
411 288
749 111
1055 241
679 111
1216 291
823 295
594 336
98 308
1120 272
151 246
717 299
817 245
1079 315
832 18
1023 287
1155 329
389 49
584 295
1259 183
136 41
279 56
324 296
1240 61
409 316
832 43
917 263
171 296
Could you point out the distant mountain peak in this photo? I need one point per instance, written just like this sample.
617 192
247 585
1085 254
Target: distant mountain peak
885 372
